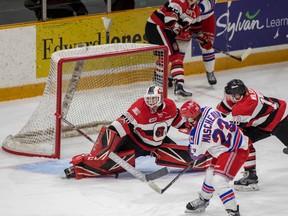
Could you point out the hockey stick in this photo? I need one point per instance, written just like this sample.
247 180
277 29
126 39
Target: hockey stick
245 54
162 190
136 173
118 160
77 129
241 58
72 85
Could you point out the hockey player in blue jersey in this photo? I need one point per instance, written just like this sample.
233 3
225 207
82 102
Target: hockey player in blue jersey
228 147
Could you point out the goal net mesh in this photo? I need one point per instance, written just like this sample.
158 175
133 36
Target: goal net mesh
89 87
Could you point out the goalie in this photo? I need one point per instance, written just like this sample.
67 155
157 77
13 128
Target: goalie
141 131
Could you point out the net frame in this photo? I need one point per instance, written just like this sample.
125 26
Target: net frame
135 48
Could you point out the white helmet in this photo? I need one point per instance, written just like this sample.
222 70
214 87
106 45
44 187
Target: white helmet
153 98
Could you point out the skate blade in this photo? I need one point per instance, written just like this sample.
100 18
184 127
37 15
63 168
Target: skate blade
180 98
195 211
63 176
244 188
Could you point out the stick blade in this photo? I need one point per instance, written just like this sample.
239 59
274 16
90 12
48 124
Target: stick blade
246 54
128 167
157 174
155 187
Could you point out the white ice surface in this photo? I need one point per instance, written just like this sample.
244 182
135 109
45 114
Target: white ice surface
32 186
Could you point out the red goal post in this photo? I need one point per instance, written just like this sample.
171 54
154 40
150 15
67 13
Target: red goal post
90 87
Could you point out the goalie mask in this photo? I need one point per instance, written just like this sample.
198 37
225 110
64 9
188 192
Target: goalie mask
235 90
153 98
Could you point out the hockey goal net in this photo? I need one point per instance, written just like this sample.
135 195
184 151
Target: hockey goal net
89 87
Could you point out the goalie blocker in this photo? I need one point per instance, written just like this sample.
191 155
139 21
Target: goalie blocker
97 162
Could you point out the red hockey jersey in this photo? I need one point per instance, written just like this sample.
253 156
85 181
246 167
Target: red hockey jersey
255 110
149 128
176 12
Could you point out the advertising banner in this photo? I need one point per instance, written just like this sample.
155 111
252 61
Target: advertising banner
239 25
54 36
249 23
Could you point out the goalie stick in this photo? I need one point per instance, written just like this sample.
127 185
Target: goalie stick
136 173
118 160
72 85
162 190
77 129
245 54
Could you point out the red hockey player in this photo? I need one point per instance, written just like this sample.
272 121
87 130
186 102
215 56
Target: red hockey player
141 131
164 25
260 117
208 30
228 147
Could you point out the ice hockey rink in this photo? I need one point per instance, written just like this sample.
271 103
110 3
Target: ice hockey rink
33 187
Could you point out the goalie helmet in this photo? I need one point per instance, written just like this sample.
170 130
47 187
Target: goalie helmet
190 109
235 86
153 98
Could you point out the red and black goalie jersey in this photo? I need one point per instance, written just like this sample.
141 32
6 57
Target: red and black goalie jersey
151 128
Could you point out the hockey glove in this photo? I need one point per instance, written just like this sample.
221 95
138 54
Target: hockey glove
184 36
176 28
204 40
192 150
186 129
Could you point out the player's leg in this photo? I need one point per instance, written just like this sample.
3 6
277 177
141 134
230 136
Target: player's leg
183 46
86 166
97 162
208 56
249 181
226 168
281 133
161 36
154 35
177 73
200 204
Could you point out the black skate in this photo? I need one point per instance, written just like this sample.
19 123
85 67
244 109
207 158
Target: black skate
179 91
249 182
170 82
69 173
197 206
232 212
211 78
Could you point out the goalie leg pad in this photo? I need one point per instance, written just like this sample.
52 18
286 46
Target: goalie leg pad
107 140
173 155
86 166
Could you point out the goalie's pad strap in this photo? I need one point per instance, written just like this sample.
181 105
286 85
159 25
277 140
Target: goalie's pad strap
107 140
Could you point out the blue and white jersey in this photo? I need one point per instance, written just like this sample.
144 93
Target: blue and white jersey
214 134
206 8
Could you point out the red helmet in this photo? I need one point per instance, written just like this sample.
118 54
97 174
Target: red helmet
190 109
